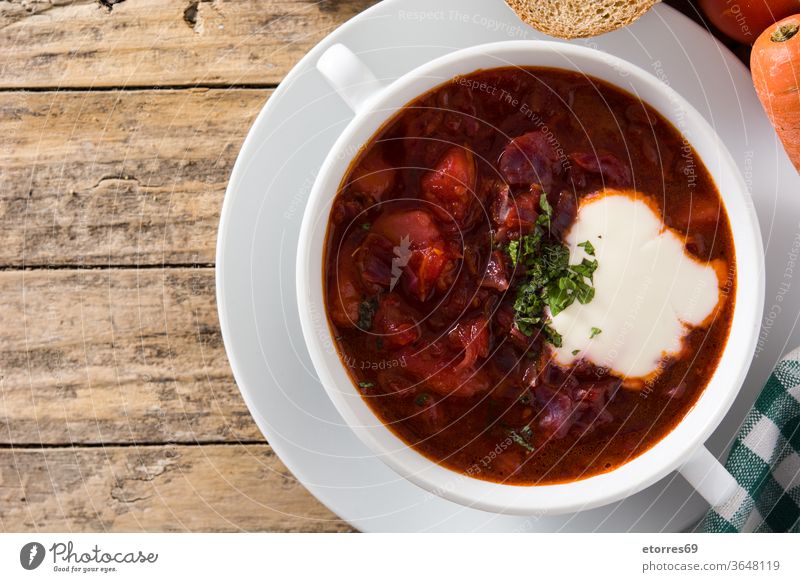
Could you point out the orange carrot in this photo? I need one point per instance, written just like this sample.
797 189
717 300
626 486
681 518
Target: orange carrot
775 64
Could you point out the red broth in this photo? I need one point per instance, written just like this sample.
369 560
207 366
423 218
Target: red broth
420 293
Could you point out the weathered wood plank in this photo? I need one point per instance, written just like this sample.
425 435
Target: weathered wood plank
87 43
115 356
161 488
117 178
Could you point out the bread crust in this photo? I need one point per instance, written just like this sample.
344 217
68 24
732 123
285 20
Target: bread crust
579 18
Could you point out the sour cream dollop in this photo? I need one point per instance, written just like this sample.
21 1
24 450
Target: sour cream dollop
649 292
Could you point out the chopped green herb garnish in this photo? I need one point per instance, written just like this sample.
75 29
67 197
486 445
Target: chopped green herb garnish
421 399
586 268
365 385
366 225
552 336
513 252
595 331
366 313
548 280
547 211
522 438
575 352
588 247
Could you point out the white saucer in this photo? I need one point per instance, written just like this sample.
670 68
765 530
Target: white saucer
261 219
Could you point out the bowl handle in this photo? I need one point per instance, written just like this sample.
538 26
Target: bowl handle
709 477
355 83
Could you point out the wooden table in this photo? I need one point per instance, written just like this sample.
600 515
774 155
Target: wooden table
120 121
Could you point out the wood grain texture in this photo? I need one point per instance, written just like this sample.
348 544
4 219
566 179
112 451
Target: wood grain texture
161 488
115 356
117 178
84 43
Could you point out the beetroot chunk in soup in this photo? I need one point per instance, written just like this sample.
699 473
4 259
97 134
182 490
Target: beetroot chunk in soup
496 272
374 261
530 159
609 166
514 216
565 213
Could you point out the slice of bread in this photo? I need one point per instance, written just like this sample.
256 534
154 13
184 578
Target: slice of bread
579 18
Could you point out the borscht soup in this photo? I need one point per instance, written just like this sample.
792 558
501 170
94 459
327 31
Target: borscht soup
529 275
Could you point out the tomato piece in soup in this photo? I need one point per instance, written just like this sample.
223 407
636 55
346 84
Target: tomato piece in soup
395 322
418 226
450 186
420 255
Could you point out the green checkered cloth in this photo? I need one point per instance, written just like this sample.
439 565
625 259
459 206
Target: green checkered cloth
765 460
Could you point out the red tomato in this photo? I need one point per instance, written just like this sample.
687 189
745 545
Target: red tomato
425 264
416 225
451 184
395 323
744 20
424 256
453 179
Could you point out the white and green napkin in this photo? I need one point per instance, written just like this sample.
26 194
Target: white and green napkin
765 460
